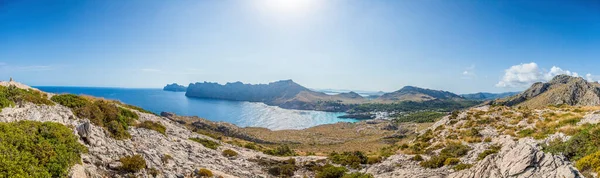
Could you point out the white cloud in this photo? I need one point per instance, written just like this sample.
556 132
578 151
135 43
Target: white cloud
524 75
469 72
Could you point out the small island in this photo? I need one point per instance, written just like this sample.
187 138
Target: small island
175 88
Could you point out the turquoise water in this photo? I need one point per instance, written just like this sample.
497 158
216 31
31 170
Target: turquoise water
243 114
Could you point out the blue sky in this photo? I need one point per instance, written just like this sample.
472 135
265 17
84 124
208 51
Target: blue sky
460 46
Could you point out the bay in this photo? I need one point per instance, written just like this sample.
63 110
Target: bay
243 114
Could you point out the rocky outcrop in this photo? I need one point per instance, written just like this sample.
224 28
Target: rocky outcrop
522 158
562 89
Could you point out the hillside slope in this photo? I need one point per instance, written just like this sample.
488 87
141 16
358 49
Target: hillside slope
562 89
410 93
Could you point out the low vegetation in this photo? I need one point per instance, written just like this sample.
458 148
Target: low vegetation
351 159
229 153
107 114
36 149
330 171
132 164
207 143
420 117
283 169
203 173
156 126
11 95
281 150
492 150
447 156
413 106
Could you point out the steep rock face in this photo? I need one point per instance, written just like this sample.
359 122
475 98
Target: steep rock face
562 89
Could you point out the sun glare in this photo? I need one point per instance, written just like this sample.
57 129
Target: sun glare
288 7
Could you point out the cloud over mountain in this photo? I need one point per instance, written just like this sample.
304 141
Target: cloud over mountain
523 75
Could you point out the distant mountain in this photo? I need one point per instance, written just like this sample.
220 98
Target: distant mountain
411 93
488 96
175 87
562 89
286 94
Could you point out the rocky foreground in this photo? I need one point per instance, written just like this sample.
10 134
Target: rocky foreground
488 141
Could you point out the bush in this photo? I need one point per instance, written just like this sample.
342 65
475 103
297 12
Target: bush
581 144
492 150
358 175
455 150
229 153
460 167
434 162
11 95
417 158
589 163
352 159
282 150
36 149
204 173
373 160
251 146
206 143
330 171
283 170
156 126
132 164
451 161
102 113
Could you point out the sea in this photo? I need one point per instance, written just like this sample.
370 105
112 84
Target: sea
243 114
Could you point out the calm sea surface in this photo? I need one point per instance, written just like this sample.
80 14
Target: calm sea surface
244 114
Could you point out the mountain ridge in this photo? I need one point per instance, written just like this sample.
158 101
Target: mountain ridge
562 89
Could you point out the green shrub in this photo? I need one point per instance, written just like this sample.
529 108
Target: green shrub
373 160
352 159
461 167
451 161
154 172
286 169
434 162
417 158
132 164
229 153
117 130
206 143
455 150
102 113
589 163
492 150
251 146
330 171
581 144
156 126
11 95
36 149
204 173
282 150
358 175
